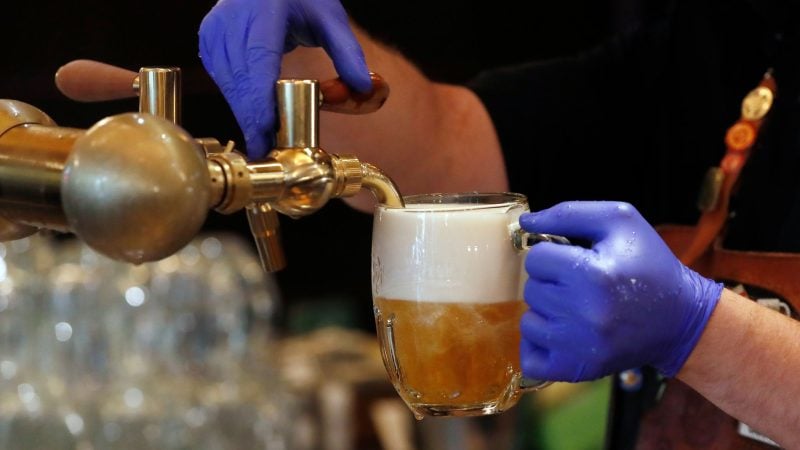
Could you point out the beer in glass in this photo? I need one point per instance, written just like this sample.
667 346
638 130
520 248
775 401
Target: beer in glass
447 283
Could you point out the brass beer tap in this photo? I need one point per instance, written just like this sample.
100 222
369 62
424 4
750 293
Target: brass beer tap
137 187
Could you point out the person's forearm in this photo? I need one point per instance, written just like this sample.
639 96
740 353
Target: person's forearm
428 137
747 362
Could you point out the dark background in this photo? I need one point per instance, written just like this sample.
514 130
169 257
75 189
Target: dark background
328 277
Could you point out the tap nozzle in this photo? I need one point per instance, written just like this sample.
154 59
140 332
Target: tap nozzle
265 227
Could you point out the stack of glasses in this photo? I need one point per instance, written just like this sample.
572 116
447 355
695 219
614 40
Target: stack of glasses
176 354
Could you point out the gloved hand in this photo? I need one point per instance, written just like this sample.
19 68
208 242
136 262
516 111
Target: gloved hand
242 43
624 303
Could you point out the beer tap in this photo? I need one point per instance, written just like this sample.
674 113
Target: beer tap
137 187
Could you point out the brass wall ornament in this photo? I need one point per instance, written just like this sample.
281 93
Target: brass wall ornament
757 103
137 187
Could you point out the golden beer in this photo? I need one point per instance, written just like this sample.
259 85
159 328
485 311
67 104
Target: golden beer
462 356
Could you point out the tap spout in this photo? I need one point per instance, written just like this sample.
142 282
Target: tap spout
381 186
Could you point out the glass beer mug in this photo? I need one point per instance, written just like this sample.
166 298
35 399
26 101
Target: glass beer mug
447 281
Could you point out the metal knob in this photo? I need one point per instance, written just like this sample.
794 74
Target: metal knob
136 187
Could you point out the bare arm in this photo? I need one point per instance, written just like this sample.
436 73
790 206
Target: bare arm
429 137
748 363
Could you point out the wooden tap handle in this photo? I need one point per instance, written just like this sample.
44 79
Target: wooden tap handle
85 80
337 97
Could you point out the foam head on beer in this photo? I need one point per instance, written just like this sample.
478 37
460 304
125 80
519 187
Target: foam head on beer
447 253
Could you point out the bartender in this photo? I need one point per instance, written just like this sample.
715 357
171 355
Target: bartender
638 119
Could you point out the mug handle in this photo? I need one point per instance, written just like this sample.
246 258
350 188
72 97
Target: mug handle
523 241
531 384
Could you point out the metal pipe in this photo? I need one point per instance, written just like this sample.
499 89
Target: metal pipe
33 158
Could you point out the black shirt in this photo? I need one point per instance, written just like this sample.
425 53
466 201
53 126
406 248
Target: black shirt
643 117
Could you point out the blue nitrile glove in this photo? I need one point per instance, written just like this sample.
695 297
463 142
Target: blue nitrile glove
625 302
242 43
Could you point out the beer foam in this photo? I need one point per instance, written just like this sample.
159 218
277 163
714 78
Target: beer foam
447 253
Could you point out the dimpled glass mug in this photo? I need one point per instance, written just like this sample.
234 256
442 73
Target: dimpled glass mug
447 281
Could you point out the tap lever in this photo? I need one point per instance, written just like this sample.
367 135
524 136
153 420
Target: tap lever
85 80
158 88
337 96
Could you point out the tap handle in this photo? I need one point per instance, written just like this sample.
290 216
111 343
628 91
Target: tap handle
337 97
158 88
85 80
265 226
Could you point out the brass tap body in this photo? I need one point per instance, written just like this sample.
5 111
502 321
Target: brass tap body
137 187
